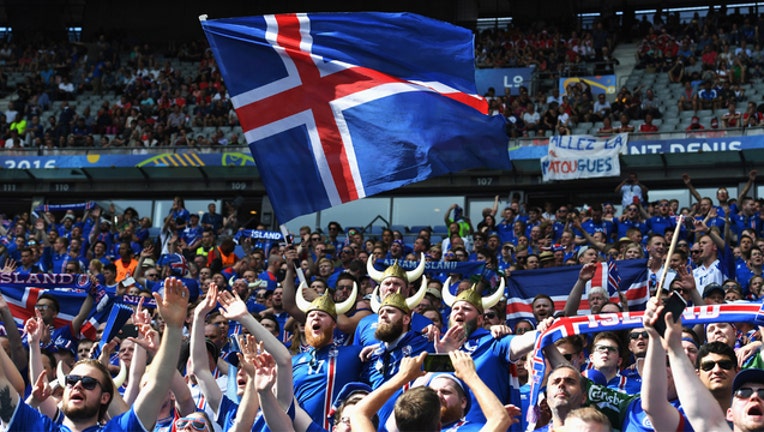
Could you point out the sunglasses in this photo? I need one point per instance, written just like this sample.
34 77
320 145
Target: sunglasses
706 366
747 392
88 383
489 315
637 335
605 348
694 251
194 422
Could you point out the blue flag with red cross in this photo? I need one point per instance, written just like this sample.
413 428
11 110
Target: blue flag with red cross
340 106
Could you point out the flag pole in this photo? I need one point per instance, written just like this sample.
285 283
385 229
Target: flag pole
674 239
297 268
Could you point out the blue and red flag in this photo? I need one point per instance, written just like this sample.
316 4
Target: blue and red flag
579 325
556 282
340 106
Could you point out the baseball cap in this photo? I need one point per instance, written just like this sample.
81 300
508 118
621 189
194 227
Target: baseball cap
745 376
581 251
434 292
710 288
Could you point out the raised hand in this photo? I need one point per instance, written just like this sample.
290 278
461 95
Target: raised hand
232 306
10 266
249 351
148 338
464 366
41 390
34 329
451 340
173 306
265 372
587 272
209 302
141 315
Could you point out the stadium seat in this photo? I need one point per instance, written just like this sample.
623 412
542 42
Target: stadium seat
401 228
417 228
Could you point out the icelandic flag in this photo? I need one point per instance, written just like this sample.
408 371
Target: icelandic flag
556 282
340 106
737 312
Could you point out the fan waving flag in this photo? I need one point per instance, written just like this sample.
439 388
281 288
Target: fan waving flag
340 106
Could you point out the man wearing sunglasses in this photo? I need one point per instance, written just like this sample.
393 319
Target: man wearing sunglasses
89 389
717 366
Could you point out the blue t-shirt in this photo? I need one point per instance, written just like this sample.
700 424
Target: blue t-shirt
26 418
320 374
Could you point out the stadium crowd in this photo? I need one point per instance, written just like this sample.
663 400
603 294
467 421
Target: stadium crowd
356 327
710 67
209 326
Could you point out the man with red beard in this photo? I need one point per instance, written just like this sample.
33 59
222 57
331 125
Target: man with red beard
89 389
322 371
397 342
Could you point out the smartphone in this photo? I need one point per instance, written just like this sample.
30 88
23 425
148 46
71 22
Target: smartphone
674 304
438 363
128 330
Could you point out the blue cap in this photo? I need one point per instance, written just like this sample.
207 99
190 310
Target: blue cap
752 375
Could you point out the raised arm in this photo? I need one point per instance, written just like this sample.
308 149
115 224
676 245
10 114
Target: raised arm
588 237
524 343
85 309
265 378
34 328
409 370
147 341
233 308
289 295
9 397
172 308
497 419
698 404
655 383
751 179
249 403
574 298
688 182
200 366
18 353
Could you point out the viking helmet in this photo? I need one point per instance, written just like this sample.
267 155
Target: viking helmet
473 297
325 303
